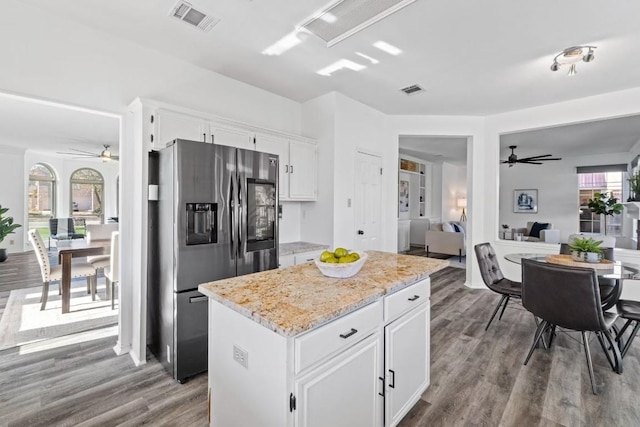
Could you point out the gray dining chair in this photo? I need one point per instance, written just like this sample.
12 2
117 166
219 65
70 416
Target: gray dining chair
568 297
494 279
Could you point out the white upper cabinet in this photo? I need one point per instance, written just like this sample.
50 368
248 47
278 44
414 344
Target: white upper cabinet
224 135
171 125
303 172
297 172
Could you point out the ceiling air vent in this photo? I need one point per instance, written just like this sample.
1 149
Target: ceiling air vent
185 12
344 18
412 90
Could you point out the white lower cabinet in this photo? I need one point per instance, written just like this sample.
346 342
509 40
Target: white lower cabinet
344 390
406 362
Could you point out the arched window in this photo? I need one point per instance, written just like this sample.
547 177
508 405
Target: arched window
87 195
41 195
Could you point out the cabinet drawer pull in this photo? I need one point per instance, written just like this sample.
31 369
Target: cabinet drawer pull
381 393
392 384
348 334
415 297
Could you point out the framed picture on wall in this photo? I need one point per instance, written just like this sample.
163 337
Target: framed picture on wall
525 201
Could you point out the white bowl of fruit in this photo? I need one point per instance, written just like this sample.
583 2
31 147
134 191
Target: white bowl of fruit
340 263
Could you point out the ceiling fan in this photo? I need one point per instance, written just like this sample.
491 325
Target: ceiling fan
533 160
105 154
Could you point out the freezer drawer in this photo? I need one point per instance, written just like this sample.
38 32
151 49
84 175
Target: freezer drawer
191 324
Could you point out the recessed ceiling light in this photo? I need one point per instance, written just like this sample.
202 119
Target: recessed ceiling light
339 65
367 57
386 47
286 43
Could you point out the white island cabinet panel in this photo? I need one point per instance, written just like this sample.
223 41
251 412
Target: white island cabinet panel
406 362
255 395
345 391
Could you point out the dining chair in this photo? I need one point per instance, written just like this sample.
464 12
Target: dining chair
610 289
112 272
54 273
630 311
494 279
63 229
100 232
568 297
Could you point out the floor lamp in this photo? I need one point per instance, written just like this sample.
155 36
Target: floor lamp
462 203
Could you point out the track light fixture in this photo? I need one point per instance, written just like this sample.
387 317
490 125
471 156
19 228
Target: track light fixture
571 56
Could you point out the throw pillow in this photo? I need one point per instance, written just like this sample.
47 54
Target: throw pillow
446 226
537 227
457 228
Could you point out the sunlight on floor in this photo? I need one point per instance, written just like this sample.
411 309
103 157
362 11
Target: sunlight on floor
80 337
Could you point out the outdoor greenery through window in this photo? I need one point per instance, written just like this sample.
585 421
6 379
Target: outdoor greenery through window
41 195
87 195
601 182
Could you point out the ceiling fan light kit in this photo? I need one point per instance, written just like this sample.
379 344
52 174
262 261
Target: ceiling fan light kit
533 160
571 56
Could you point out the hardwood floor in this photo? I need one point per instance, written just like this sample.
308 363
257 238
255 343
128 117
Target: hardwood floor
477 378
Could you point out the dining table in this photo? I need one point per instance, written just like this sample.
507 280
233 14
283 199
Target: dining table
69 249
612 271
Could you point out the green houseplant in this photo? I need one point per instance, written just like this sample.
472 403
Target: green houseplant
586 249
634 187
6 227
604 204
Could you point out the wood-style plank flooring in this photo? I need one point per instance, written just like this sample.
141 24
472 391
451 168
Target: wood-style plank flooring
477 377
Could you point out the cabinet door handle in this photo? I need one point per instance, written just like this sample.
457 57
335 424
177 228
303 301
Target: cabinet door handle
381 393
204 137
290 168
348 334
392 384
286 168
413 298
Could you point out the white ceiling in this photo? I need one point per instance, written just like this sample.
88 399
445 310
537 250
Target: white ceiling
50 128
473 58
435 149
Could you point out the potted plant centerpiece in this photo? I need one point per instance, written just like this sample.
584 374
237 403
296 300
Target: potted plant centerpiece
605 204
6 227
586 250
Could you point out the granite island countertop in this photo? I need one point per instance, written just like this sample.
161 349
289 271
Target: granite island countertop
299 247
293 300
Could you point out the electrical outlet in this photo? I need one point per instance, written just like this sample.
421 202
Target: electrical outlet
241 356
12 242
348 203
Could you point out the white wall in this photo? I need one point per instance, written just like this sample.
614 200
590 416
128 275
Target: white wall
318 121
12 194
289 224
454 186
557 185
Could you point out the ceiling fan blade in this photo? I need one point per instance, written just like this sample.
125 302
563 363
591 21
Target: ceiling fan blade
83 151
529 162
115 157
536 157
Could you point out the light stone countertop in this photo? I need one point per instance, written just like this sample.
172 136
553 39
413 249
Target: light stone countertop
291 248
293 300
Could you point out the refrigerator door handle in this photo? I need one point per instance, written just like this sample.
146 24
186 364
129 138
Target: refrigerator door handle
241 202
232 220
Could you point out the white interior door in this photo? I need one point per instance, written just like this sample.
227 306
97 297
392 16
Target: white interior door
368 201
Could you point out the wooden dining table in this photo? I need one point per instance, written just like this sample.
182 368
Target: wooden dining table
76 248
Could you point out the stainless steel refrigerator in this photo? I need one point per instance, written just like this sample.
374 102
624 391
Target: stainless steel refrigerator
216 218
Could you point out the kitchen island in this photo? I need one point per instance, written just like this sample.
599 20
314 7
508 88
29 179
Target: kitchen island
291 347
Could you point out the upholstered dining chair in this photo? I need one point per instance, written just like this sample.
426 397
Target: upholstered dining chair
494 279
100 232
568 297
63 229
112 272
630 311
54 273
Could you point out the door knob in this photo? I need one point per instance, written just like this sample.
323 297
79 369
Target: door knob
360 232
